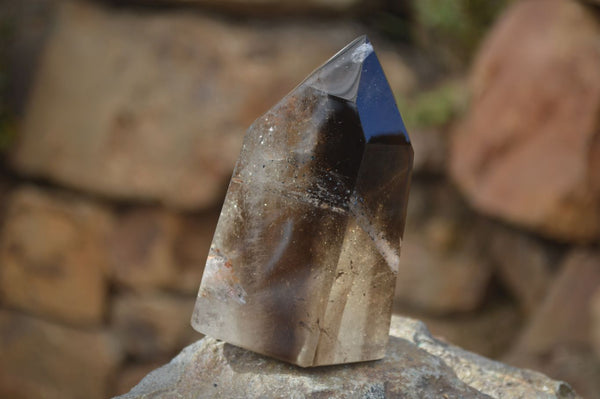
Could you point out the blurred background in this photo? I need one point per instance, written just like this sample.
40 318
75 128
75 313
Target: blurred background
120 123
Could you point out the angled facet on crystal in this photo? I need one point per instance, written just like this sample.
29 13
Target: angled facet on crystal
303 263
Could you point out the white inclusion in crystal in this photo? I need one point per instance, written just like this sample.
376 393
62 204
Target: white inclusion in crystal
385 249
281 246
362 52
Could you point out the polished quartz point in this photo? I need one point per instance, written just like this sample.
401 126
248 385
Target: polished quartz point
303 263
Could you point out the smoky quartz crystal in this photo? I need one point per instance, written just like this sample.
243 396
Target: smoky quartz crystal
304 259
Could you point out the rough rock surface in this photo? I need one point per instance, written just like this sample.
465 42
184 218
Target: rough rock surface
416 366
528 150
52 255
39 359
489 331
170 104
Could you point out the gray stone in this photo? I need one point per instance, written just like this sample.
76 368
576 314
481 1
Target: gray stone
416 366
487 376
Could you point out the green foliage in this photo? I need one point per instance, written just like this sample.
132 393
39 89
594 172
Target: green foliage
455 26
394 27
434 108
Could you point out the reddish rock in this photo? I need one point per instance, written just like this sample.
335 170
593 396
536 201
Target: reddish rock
173 94
528 150
153 326
39 359
53 255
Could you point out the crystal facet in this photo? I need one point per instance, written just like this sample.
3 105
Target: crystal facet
303 263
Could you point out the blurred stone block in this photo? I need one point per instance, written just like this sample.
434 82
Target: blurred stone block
53 255
152 248
274 7
26 27
524 264
564 316
39 359
442 267
141 248
430 150
191 249
154 105
528 150
557 339
132 374
151 326
595 314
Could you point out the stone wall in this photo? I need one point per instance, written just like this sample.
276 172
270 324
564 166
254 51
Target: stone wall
120 124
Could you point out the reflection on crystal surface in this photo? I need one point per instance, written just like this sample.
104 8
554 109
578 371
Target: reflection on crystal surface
303 261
